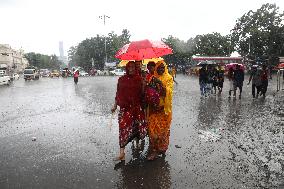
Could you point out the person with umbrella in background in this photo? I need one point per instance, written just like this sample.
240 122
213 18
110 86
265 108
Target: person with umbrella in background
220 78
131 116
160 118
239 77
203 78
76 76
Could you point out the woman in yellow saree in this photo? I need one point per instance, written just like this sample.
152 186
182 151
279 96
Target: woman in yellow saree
160 117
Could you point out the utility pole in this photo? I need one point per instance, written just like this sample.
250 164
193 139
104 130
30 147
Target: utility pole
104 17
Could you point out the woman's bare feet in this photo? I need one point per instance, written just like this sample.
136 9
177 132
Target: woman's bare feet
121 157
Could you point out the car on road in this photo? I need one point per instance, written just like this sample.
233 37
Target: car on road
99 72
66 73
103 72
15 76
44 72
31 73
92 72
5 79
3 72
83 73
118 72
55 73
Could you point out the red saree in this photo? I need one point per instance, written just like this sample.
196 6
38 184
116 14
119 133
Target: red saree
131 117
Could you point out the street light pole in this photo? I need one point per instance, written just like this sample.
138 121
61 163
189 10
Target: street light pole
104 17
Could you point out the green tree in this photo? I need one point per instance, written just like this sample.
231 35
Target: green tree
260 33
205 45
213 44
43 61
73 57
94 48
182 51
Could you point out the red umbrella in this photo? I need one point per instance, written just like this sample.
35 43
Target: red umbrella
234 65
280 66
144 49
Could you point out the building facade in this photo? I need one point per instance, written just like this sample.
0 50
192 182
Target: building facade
12 60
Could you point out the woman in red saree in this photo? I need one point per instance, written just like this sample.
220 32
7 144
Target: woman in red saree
160 117
131 117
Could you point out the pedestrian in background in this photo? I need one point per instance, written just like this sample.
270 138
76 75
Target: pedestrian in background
203 80
76 76
270 71
210 79
239 77
131 116
220 78
214 79
255 81
174 72
264 80
231 80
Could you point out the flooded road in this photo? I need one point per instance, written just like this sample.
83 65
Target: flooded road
54 134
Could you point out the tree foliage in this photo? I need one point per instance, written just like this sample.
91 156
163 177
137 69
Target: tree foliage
260 33
182 51
94 49
205 45
255 34
213 44
43 61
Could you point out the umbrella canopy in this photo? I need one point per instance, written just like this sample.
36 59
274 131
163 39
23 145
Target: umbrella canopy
202 63
280 66
234 66
144 62
144 49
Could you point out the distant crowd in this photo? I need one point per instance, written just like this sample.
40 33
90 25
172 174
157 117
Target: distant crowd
211 79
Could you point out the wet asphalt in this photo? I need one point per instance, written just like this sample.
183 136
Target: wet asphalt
54 134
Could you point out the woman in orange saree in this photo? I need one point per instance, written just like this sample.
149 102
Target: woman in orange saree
160 117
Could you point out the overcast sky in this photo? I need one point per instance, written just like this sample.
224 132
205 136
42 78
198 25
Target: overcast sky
39 25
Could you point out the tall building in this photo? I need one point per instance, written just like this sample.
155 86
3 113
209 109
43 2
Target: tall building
61 50
61 54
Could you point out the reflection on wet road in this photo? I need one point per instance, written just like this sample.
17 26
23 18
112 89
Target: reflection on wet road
215 142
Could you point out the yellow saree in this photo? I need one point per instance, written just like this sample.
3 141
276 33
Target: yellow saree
159 121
